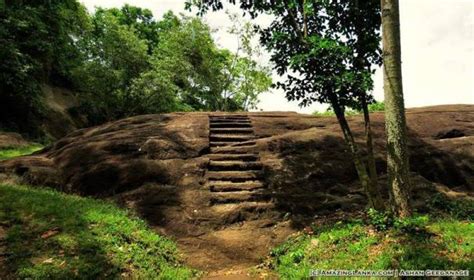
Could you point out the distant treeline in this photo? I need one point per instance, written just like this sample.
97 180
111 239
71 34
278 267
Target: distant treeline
120 62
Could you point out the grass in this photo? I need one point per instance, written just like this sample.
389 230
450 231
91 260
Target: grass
21 151
52 235
374 107
418 243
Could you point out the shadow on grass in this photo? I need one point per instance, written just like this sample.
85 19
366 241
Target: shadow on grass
433 249
55 236
72 252
443 245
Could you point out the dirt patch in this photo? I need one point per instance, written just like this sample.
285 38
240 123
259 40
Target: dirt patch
236 247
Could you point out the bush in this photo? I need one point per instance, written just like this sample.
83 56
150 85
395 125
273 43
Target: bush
457 208
413 224
380 220
377 107
374 107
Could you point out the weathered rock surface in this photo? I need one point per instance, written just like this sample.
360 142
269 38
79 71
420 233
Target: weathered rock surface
119 156
160 165
309 168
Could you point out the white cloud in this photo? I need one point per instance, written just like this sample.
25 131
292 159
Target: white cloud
437 50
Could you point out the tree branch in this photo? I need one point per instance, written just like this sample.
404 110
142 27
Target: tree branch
294 23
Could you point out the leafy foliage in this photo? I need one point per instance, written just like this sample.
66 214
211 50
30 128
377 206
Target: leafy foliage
190 62
325 48
122 62
385 220
115 56
377 107
37 39
457 208
374 107
137 65
244 78
380 220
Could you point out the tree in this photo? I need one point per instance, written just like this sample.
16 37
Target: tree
203 76
120 62
245 79
38 46
325 49
395 123
134 65
114 55
145 26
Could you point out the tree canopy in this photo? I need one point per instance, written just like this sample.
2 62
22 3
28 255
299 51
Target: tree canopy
37 39
120 62
324 48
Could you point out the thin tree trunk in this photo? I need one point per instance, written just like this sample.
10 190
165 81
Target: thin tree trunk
395 123
359 63
370 145
372 192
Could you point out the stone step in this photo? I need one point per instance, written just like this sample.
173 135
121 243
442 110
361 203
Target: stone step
229 124
230 137
229 120
234 176
245 143
213 121
228 116
233 165
243 157
221 144
232 130
234 143
233 149
225 186
239 196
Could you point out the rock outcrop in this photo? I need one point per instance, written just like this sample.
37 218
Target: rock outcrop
215 178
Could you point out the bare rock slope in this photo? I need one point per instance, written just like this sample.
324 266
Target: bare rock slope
214 181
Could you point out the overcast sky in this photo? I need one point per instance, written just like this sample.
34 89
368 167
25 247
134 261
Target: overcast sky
437 50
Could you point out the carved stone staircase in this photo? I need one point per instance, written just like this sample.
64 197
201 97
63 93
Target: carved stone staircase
234 174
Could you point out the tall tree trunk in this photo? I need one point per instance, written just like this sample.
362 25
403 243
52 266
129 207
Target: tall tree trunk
373 195
395 123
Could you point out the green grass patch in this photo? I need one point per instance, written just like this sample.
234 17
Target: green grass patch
417 243
52 235
21 151
374 107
